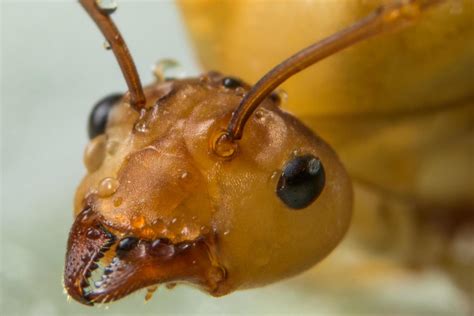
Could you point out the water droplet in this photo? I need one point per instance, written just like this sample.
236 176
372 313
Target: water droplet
107 6
141 126
226 232
107 187
106 45
142 113
184 175
166 68
240 91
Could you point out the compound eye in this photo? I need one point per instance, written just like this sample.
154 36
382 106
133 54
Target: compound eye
301 181
100 113
231 82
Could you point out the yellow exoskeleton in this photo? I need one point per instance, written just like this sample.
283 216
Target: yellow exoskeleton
207 180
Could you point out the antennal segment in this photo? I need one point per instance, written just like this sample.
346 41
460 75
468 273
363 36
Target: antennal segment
384 18
120 49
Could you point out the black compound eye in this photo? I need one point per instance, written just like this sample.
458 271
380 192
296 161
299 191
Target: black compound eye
100 113
301 181
231 83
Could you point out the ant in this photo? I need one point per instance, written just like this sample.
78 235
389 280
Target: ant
207 180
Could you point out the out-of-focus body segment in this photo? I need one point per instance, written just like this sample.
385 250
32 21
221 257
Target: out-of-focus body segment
398 109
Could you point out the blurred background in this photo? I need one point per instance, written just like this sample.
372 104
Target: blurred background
53 69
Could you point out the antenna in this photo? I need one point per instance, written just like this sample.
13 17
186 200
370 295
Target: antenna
387 17
101 17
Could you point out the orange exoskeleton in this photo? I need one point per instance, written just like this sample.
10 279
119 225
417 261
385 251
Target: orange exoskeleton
178 191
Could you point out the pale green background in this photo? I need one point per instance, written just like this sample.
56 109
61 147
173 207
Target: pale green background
53 69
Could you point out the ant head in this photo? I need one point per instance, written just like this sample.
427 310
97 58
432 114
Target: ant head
280 197
176 191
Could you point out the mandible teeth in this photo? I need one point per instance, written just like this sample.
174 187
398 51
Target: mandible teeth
108 271
84 283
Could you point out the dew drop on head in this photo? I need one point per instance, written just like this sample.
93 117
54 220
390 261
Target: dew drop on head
141 126
107 187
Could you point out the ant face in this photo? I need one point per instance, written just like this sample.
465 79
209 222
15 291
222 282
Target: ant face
155 186
177 192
